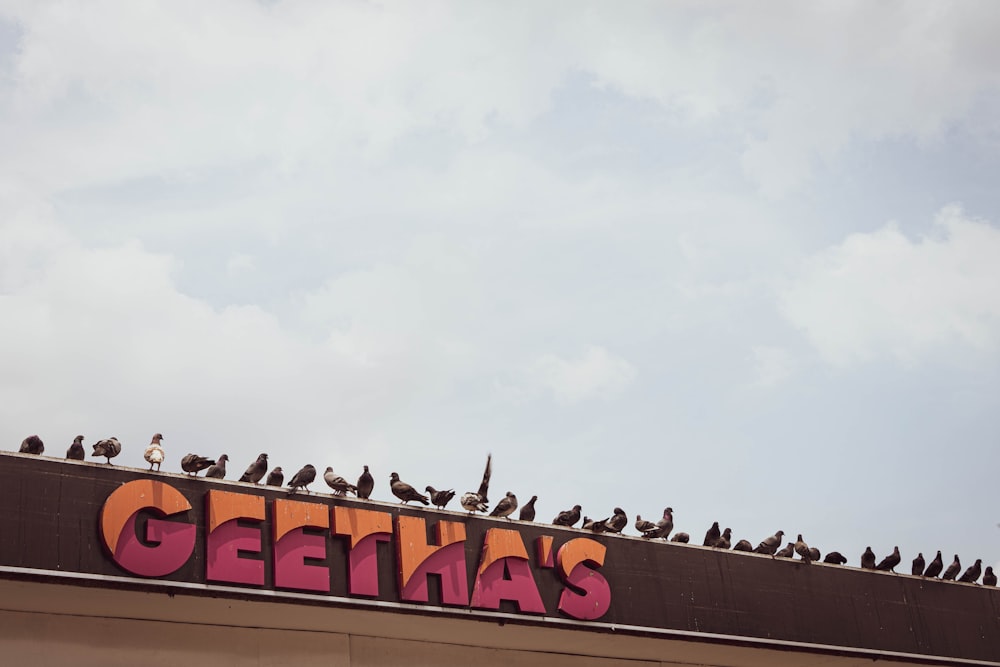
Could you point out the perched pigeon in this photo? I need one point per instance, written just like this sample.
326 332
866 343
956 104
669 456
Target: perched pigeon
439 498
835 557
404 491
339 485
989 578
802 549
256 470
814 553
154 452
770 544
934 569
890 561
725 540
712 535
567 517
506 506
918 565
276 477
479 501
663 527
76 451
192 464
868 559
218 470
32 445
743 545
953 570
971 575
683 538
528 510
642 525
366 484
787 552
591 524
303 478
109 449
617 522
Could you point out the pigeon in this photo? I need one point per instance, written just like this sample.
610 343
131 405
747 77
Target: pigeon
662 527
918 565
479 501
725 540
802 549
404 491
256 470
934 569
890 561
439 498
588 523
770 544
339 485
567 517
712 535
76 451
528 510
953 570
868 559
814 553
787 552
109 449
276 477
683 538
617 522
32 445
192 464
743 545
835 557
218 469
642 525
366 484
506 506
989 578
972 574
303 478
154 453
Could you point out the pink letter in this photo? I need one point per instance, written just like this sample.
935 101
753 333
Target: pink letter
573 558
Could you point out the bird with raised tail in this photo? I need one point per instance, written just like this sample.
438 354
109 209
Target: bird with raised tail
479 501
404 491
256 470
440 499
303 478
76 451
339 485
505 507
109 449
154 452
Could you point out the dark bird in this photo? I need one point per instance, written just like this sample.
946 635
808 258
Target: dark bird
506 506
953 570
770 544
683 538
918 565
404 491
256 470
835 557
802 549
743 545
934 569
32 445
971 575
725 540
642 525
787 552
276 477
479 501
109 449
712 535
617 522
366 484
528 510
663 527
192 464
567 517
303 478
439 498
339 485
218 469
868 559
154 452
989 578
890 561
814 553
591 524
76 451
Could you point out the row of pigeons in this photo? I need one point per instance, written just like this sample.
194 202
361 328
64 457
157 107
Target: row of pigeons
478 501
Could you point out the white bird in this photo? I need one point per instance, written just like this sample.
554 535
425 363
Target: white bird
154 452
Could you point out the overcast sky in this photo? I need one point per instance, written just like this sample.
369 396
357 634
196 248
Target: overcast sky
739 259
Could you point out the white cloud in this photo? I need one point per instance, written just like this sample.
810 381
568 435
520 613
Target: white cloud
773 365
882 294
597 374
239 263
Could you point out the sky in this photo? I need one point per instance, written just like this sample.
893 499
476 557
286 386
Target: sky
740 260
